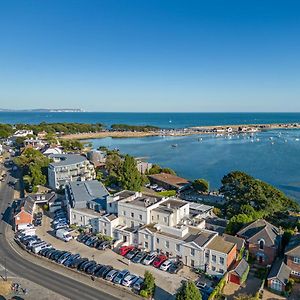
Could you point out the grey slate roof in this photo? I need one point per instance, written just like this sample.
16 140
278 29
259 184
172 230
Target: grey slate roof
86 191
241 267
293 247
260 229
66 159
280 271
234 239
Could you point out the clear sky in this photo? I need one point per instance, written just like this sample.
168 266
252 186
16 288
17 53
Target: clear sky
150 55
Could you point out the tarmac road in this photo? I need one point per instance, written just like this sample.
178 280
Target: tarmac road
56 282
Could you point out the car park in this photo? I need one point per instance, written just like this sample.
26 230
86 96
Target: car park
130 279
111 275
132 253
139 257
175 267
125 249
166 265
159 260
149 258
120 276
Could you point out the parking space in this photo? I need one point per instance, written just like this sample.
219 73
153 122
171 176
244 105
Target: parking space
167 283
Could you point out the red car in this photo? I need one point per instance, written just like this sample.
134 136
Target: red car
159 260
125 249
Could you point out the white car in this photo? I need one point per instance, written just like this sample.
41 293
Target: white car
149 258
166 265
130 279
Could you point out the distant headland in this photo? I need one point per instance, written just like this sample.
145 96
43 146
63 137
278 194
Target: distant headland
44 110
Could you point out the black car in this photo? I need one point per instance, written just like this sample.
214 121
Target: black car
80 237
50 252
70 259
132 253
103 272
139 257
97 273
90 264
85 238
37 222
175 267
57 255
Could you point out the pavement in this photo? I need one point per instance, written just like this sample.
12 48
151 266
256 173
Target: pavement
35 271
167 283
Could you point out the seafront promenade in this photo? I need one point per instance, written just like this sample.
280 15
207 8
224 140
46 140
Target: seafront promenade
224 129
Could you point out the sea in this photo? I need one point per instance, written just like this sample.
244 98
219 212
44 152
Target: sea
272 156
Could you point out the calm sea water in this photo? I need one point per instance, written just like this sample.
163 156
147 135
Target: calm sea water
164 120
276 161
270 156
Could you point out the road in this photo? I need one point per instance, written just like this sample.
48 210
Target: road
56 282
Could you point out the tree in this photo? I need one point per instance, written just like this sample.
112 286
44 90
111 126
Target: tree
242 189
237 222
131 178
155 169
168 171
148 286
243 297
201 185
188 291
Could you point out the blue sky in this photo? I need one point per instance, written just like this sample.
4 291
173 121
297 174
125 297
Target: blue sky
150 55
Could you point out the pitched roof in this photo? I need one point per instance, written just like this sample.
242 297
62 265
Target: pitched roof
240 267
234 239
260 229
85 191
280 271
293 247
173 180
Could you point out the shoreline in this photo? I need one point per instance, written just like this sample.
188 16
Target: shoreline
217 129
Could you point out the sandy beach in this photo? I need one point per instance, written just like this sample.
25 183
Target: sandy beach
226 129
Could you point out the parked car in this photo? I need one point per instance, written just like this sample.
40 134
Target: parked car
120 276
105 271
125 249
149 258
70 259
50 252
166 265
132 253
138 284
77 262
175 267
159 260
89 264
104 245
111 275
64 257
130 279
139 257
93 269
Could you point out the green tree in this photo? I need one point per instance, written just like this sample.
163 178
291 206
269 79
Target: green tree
19 141
155 169
242 189
188 291
237 222
131 178
168 171
114 164
201 185
148 286
6 130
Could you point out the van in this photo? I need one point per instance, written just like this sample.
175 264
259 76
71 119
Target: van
37 244
63 234
37 249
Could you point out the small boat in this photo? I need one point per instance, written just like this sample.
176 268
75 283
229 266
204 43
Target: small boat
174 145
297 139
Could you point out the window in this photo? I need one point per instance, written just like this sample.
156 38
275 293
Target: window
192 263
157 240
193 252
105 231
141 217
146 244
297 260
157 217
167 244
214 258
221 271
295 273
213 268
81 218
177 247
222 260
261 244
276 285
124 212
146 236
206 255
110 204
132 215
152 218
165 219
132 224
74 217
